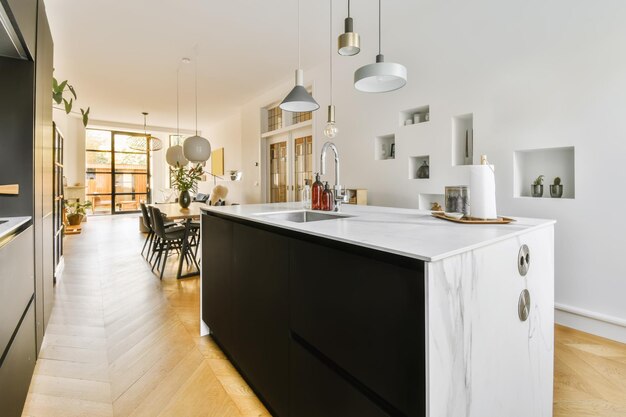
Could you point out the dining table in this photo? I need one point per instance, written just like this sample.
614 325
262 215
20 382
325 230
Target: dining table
174 212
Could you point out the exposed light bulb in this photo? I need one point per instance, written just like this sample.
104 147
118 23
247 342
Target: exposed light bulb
331 130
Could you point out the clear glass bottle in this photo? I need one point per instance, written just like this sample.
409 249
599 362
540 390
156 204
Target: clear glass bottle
306 195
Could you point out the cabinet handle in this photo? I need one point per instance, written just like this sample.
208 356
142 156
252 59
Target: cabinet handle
523 260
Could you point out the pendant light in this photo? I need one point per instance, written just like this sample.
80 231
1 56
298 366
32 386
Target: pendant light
299 100
196 148
330 131
175 155
349 42
381 76
145 143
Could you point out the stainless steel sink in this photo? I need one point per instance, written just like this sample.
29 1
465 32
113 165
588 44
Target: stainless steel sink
304 216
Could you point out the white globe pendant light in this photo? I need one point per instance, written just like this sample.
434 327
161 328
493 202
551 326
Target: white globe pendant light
381 76
196 148
175 156
299 100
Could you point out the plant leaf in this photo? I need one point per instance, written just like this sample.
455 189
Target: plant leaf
55 84
57 97
71 88
68 105
85 114
62 85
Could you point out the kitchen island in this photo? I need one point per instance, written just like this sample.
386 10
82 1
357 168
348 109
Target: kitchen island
381 311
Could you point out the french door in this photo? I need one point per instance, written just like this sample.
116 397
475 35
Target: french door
290 165
117 177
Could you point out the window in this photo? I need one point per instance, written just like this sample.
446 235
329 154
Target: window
117 177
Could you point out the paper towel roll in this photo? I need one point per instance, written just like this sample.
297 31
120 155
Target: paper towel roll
483 192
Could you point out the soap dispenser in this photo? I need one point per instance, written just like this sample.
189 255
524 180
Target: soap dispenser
327 198
316 193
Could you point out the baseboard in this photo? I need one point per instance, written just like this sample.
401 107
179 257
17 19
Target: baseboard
602 325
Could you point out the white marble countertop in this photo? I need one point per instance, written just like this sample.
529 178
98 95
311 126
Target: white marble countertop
407 232
9 224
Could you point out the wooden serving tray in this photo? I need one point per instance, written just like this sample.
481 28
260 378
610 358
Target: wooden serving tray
472 220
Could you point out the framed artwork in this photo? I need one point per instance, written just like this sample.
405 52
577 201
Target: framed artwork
217 162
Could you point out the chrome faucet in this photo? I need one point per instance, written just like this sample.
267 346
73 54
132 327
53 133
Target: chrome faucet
339 193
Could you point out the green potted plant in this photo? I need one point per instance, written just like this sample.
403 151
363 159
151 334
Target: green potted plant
556 189
58 95
186 179
536 189
76 211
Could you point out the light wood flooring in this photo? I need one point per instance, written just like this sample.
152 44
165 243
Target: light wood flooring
122 343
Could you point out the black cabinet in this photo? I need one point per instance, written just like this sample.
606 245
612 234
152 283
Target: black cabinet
260 313
217 245
317 327
244 303
316 390
24 12
366 316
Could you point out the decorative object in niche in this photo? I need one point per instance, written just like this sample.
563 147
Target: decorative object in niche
416 115
408 122
457 199
392 154
463 139
423 171
556 189
536 189
383 145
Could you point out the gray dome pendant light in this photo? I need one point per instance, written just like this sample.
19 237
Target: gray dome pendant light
380 77
299 100
196 148
349 42
330 131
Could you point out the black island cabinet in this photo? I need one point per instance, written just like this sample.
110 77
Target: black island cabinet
315 326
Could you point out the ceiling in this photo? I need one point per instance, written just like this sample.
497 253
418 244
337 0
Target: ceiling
122 56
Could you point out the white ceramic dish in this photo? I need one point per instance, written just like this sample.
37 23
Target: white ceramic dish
454 215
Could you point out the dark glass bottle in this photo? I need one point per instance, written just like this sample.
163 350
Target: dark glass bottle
328 203
316 193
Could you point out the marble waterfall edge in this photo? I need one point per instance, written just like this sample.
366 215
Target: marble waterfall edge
483 360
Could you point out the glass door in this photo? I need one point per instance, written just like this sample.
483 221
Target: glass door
279 186
303 164
117 177
130 174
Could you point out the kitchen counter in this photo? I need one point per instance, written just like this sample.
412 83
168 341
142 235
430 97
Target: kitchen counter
9 225
382 312
406 232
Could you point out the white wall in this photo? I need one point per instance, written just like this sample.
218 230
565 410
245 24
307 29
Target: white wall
534 74
73 132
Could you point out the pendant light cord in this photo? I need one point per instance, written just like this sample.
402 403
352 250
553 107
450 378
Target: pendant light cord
330 48
379 26
178 103
196 70
298 34
348 8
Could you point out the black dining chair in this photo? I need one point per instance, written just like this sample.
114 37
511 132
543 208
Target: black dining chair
167 239
147 222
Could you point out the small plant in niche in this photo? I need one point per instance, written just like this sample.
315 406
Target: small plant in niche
536 189
556 189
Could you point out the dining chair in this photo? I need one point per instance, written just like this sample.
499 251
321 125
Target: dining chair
167 239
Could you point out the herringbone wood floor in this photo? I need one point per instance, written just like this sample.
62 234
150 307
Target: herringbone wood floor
122 343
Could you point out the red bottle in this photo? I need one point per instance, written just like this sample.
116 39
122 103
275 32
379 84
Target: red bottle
328 202
316 193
